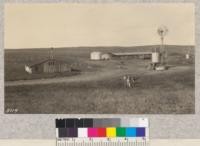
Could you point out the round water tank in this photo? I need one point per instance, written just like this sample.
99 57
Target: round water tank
105 56
95 55
155 57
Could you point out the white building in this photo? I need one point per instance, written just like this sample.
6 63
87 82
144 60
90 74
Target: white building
95 55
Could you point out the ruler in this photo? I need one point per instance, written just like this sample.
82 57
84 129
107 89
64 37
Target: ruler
102 132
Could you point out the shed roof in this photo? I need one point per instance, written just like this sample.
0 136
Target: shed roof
48 60
131 53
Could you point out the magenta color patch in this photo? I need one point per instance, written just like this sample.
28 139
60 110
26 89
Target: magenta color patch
92 132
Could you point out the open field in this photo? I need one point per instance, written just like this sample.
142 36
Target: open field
99 87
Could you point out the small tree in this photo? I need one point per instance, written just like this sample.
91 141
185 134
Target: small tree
162 32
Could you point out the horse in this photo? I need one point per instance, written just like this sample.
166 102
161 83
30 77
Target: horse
129 81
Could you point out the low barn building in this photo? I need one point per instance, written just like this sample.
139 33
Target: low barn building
140 55
48 66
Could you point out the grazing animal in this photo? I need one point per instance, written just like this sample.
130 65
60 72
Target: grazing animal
133 81
129 81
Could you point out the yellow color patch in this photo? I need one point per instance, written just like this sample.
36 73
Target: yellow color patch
111 132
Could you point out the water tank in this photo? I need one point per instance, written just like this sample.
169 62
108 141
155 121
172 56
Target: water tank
95 55
105 56
155 57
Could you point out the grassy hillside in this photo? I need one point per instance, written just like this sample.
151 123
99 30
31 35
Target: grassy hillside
15 60
99 87
170 93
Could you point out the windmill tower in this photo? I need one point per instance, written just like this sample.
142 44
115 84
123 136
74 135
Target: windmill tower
51 54
162 32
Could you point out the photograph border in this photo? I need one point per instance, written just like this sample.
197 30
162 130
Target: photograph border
41 126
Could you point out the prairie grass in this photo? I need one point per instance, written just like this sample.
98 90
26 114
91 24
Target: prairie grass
168 92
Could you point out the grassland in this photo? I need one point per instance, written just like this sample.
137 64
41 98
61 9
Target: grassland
169 92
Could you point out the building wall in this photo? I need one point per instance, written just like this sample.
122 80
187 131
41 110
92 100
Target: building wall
95 55
51 67
37 68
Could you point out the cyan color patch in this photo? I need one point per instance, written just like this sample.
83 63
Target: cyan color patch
131 132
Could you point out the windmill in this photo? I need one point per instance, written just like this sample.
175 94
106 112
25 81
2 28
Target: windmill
51 53
162 32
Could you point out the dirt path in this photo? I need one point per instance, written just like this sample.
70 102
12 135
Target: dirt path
91 76
87 76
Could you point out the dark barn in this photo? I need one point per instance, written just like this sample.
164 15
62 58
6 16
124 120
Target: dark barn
49 66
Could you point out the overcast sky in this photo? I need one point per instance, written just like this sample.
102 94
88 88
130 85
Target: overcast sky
66 25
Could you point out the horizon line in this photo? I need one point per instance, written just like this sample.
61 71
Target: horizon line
96 46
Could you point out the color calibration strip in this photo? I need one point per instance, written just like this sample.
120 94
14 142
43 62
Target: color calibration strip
102 132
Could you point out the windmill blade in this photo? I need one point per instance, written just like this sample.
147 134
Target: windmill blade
162 30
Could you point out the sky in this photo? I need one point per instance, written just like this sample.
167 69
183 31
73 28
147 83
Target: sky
111 24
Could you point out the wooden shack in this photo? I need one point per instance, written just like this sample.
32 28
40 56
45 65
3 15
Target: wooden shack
49 66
